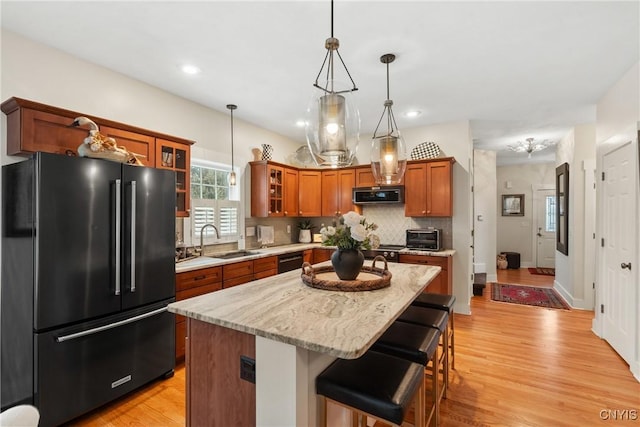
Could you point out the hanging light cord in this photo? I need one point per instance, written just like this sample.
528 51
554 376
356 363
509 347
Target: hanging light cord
232 140
329 56
391 120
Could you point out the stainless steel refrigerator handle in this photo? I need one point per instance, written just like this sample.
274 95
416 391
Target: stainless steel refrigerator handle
117 231
110 325
133 236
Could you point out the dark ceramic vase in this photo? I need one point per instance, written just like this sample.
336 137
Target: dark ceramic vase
347 263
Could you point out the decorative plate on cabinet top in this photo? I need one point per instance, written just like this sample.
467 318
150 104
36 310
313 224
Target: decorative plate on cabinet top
425 150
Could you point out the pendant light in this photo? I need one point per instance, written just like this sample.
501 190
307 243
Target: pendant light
388 155
333 120
232 174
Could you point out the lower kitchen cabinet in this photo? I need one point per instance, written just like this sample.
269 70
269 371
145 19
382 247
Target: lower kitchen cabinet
307 256
237 273
265 267
442 283
322 254
188 285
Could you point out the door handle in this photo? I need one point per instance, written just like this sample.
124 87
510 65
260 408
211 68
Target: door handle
539 230
133 236
626 265
117 239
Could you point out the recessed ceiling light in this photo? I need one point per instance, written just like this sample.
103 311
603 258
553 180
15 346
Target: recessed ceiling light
301 123
190 69
412 114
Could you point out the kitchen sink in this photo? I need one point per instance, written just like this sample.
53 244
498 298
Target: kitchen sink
234 254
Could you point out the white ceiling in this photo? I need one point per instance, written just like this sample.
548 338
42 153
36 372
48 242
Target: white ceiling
515 69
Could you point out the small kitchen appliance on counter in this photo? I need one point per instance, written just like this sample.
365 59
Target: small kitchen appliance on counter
428 239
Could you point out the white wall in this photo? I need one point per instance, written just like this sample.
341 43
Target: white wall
577 149
617 122
485 211
515 233
39 73
454 140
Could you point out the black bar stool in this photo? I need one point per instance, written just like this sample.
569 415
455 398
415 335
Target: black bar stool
376 385
436 319
417 344
445 303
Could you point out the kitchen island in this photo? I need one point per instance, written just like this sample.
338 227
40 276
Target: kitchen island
292 332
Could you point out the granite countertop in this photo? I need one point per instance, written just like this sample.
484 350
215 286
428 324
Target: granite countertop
212 261
284 309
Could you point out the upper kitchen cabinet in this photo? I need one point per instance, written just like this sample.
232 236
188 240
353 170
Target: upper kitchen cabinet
32 127
337 190
175 156
428 186
274 190
310 192
364 177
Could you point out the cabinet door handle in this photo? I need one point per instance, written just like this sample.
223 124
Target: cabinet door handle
199 277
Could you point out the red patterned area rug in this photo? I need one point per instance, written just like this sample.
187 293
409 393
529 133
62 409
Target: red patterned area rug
543 271
527 295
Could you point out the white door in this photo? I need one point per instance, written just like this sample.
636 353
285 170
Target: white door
618 231
546 229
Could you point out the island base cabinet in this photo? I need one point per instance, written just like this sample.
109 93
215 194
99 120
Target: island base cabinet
443 282
216 395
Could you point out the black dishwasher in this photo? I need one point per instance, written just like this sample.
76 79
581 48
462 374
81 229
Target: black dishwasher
289 261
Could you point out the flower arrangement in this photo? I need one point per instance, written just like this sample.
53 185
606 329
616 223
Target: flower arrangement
351 231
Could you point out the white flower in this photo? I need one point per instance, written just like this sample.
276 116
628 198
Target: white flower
331 230
359 232
352 219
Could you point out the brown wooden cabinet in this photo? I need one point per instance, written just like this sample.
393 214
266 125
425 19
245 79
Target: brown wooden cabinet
191 284
267 189
337 190
307 256
322 254
137 143
428 188
32 127
442 283
364 177
290 203
309 193
265 267
237 273
176 157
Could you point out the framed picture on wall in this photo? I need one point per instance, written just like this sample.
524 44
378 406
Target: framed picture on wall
562 212
513 205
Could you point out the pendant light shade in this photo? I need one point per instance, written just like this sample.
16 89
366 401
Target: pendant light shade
232 174
388 153
333 120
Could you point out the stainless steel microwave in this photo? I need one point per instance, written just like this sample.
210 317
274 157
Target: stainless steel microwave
425 239
373 195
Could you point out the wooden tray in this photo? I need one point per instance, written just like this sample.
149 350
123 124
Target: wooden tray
369 279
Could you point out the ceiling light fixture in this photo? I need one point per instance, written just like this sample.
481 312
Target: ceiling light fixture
529 146
388 155
333 120
190 69
232 174
412 113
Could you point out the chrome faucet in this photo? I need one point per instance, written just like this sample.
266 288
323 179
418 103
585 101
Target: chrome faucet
202 236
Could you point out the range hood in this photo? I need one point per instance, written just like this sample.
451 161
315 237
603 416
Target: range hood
378 195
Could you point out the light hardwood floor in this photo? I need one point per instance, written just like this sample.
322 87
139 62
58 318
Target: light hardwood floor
515 366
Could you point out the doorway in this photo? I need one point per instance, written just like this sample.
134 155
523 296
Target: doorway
618 291
545 228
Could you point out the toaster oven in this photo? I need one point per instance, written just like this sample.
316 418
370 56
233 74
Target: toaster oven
428 239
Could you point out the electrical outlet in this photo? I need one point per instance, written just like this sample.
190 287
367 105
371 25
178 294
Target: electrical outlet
288 229
248 369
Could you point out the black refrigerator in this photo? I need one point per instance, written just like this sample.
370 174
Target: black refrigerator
87 272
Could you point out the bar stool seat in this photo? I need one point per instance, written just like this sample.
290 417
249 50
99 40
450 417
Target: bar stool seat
445 303
417 344
439 320
375 384
408 341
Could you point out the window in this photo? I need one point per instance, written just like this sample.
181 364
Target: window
550 214
211 204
